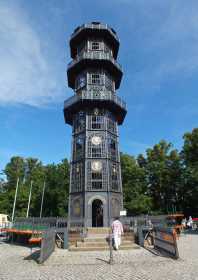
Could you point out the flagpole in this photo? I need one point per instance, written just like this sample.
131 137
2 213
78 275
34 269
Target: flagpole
30 195
15 197
42 200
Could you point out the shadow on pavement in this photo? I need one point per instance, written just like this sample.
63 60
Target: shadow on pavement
33 256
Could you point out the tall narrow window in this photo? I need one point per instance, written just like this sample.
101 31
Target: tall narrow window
79 147
95 79
97 122
79 122
96 151
114 177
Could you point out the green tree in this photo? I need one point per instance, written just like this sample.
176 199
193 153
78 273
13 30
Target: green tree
190 159
164 174
136 199
32 170
57 189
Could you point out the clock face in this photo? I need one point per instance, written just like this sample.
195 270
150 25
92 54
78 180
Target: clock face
96 166
96 140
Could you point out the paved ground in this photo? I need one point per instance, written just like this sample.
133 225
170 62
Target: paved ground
134 264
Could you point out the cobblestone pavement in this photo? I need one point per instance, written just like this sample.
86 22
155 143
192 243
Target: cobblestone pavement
135 264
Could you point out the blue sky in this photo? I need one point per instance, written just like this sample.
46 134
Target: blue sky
158 52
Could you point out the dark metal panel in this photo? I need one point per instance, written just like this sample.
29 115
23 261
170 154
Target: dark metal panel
47 245
165 241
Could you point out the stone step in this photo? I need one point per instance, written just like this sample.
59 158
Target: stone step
102 248
98 230
102 239
101 244
97 236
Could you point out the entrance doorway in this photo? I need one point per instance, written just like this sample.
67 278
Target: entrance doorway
97 213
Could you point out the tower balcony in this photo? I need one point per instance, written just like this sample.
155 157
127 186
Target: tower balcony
91 59
97 30
92 99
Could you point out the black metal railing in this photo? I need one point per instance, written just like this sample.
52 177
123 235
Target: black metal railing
99 26
100 55
95 95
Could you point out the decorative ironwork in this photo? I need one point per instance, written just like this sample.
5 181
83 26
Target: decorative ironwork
100 55
77 177
97 175
105 95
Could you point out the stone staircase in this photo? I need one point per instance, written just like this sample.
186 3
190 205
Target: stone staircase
97 239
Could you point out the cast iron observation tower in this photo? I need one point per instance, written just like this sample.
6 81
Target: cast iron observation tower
94 112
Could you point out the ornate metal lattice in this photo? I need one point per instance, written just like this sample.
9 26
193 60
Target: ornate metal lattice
77 177
78 147
96 145
79 122
114 176
112 147
97 179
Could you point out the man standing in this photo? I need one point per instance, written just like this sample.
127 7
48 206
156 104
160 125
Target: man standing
117 230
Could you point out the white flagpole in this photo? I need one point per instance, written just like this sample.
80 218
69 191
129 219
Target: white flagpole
30 195
42 200
15 197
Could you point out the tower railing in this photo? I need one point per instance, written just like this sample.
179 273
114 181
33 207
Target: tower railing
100 55
95 26
95 95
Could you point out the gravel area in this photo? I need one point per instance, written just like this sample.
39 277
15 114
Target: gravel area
133 264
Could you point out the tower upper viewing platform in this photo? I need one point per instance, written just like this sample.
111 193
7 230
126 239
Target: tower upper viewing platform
94 45
94 29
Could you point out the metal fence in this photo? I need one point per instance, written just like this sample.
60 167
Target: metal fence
39 224
137 221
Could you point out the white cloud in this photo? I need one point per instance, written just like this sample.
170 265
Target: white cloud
26 75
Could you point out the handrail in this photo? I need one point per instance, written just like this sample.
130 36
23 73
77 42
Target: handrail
95 55
95 95
95 26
